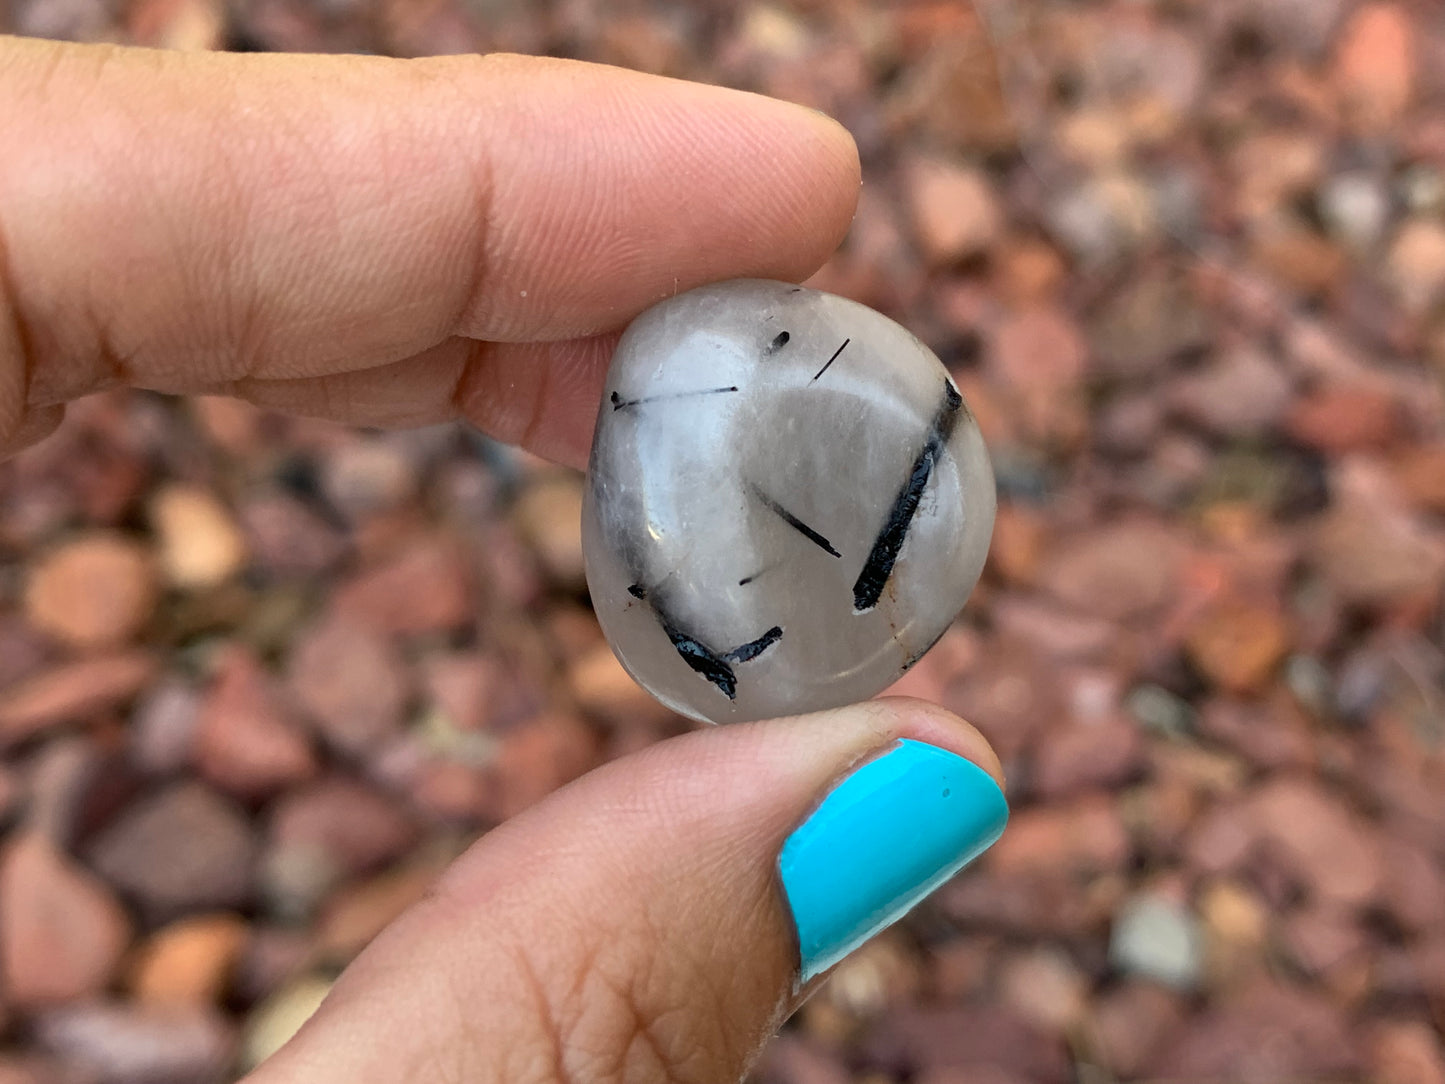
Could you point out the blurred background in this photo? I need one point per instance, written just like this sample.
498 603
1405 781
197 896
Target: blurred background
261 677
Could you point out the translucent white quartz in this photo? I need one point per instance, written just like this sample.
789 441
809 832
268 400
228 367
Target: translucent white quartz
788 501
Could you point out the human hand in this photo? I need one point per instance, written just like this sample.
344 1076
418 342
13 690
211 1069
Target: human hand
399 243
381 242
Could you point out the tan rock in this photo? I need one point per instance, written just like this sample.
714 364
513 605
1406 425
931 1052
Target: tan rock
955 213
94 591
549 516
1236 926
1030 271
182 25
1376 65
1415 267
1237 644
276 1020
1300 257
1087 835
62 932
1272 167
200 543
1046 988
1234 915
358 913
1421 474
188 962
603 688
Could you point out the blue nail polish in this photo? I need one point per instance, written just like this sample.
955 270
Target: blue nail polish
883 839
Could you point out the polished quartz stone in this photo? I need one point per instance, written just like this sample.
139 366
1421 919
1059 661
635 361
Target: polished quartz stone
788 501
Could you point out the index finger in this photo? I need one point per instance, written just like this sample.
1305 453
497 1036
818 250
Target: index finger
181 222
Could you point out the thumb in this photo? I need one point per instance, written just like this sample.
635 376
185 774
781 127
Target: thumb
658 919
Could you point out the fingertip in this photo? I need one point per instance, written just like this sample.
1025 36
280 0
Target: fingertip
711 878
828 143
844 161
903 820
613 189
921 720
840 162
818 167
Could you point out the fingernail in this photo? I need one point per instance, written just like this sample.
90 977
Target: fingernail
883 839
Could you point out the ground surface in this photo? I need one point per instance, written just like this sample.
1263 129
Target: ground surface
1188 266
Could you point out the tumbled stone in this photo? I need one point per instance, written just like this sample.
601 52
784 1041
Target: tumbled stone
788 502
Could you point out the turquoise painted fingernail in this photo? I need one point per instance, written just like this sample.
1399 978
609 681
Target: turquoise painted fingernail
882 840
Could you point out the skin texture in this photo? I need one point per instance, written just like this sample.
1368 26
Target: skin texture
378 241
388 242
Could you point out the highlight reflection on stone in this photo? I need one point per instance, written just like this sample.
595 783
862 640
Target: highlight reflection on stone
788 501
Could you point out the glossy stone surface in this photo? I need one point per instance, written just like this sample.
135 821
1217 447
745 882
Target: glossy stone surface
788 501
